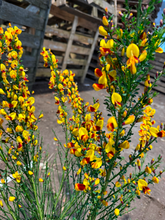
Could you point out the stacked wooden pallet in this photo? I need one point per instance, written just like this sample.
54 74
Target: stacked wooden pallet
72 34
31 17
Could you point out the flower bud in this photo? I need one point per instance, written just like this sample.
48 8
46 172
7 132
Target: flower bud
157 75
164 11
152 161
120 14
130 16
148 170
161 23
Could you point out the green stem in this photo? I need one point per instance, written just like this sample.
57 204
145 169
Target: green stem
8 206
36 198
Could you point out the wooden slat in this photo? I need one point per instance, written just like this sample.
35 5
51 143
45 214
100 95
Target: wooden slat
29 40
59 13
62 33
40 3
20 16
28 61
58 46
81 14
62 47
86 24
68 48
103 4
77 62
90 56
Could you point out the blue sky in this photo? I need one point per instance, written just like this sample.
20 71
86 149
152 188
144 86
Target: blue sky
159 17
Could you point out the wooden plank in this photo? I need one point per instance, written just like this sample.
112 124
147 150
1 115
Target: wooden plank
73 30
77 62
29 40
44 4
54 45
81 14
87 24
90 56
21 16
59 13
62 47
28 61
62 33
103 4
81 3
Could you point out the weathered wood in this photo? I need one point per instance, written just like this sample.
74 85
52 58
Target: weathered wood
73 30
59 13
65 34
77 62
87 24
32 8
103 4
44 4
81 14
58 46
21 16
29 40
62 47
90 56
28 61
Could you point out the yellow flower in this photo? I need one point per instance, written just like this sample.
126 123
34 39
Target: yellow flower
17 176
97 164
116 99
129 120
112 124
105 203
148 170
142 186
117 184
30 172
1 203
102 31
41 116
159 50
124 145
1 91
41 180
105 21
155 179
132 53
117 212
11 198
83 134
19 163
2 181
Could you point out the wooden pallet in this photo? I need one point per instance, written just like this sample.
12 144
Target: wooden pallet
31 16
72 33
